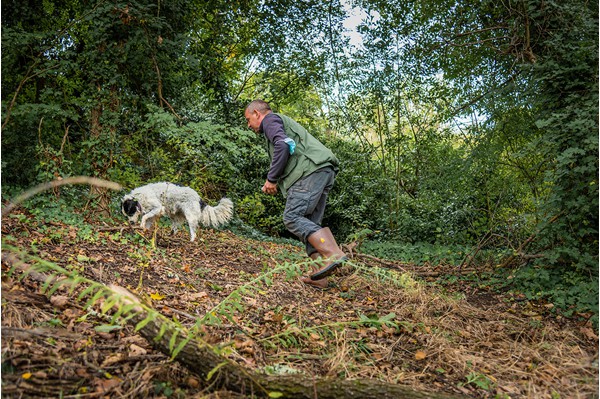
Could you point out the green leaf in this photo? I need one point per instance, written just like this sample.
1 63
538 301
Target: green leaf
214 370
143 323
107 328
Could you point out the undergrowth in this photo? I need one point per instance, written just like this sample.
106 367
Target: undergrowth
421 253
418 325
570 293
57 219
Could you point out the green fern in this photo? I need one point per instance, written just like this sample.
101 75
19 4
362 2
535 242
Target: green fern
233 303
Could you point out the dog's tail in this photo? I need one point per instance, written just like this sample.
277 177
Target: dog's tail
215 216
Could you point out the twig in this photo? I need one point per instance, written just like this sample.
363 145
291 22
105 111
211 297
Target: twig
519 252
119 228
383 262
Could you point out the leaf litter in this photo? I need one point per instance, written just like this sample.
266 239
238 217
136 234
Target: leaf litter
374 323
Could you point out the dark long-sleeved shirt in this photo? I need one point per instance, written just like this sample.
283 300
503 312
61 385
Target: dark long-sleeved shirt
272 127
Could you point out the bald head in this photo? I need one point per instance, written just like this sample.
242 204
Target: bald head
255 113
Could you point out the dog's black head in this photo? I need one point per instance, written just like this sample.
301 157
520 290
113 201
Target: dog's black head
131 208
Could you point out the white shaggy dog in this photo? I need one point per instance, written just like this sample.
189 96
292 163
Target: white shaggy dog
179 203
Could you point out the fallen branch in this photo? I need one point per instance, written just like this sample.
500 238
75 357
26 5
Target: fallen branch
383 262
204 360
119 228
520 251
209 363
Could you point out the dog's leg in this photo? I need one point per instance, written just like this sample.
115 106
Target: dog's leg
149 218
176 222
190 215
149 223
193 226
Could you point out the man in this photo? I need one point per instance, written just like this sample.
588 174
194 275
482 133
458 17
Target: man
304 169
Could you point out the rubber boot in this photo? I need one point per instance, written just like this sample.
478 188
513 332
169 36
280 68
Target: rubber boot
324 242
319 284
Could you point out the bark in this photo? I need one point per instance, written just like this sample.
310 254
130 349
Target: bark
204 360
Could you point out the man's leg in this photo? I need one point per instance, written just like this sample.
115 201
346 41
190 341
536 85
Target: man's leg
302 216
306 204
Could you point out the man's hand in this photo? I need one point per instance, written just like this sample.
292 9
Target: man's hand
269 188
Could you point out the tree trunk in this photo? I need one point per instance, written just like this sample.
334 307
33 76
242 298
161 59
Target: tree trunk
102 157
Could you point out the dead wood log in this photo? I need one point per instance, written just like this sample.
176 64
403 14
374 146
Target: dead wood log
206 361
392 265
414 271
11 260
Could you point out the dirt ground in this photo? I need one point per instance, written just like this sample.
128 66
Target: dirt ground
378 320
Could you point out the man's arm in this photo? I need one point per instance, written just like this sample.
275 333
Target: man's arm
272 127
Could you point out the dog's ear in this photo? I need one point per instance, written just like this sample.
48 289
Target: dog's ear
129 206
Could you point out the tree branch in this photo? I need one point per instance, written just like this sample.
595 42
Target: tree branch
204 360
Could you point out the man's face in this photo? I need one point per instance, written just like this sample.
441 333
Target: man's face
254 118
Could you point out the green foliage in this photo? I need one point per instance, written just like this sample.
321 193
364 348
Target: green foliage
525 74
479 380
456 123
565 95
420 253
571 292
263 212
360 196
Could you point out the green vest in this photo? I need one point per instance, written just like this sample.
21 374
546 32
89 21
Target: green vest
310 155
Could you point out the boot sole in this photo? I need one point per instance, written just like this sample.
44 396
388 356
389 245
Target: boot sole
310 283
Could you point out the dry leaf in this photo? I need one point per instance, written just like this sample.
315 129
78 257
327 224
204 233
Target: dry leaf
420 355
112 359
192 382
135 350
244 344
103 385
60 301
105 335
589 333
156 296
197 295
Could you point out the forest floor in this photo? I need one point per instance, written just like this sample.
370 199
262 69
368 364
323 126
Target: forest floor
380 320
